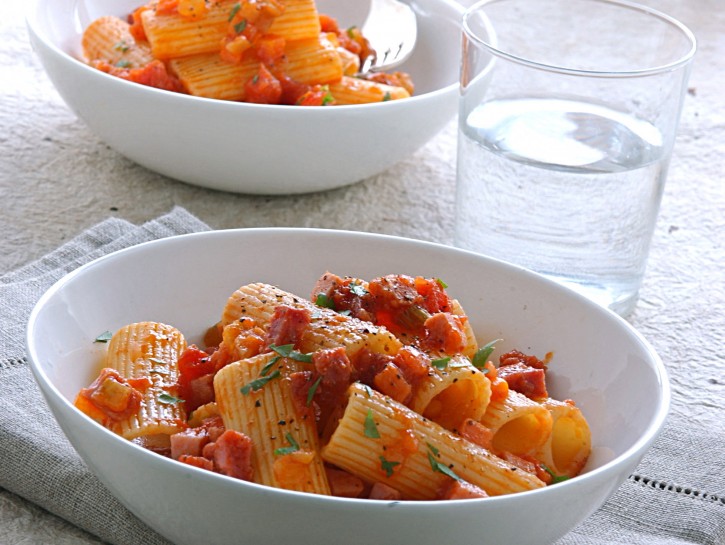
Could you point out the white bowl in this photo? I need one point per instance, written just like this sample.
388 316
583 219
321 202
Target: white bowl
250 148
600 361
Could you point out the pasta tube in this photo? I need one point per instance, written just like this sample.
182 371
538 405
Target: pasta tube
149 350
172 35
328 329
109 39
351 90
568 446
253 397
452 394
299 21
519 424
380 440
207 75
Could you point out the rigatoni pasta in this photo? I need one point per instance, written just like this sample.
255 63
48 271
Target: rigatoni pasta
143 402
370 389
383 441
261 51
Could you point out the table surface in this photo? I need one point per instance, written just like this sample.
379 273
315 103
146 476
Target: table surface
57 178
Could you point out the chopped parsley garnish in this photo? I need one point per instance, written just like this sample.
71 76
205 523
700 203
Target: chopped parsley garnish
482 354
312 390
441 283
387 96
368 390
327 98
387 466
325 301
104 337
267 368
259 383
288 351
358 289
371 429
440 363
121 46
438 466
234 11
239 27
167 399
554 477
123 64
294 446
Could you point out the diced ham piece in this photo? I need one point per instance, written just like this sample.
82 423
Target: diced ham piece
368 364
414 364
202 389
300 384
197 461
344 484
462 490
444 332
526 380
334 366
232 455
287 325
381 491
391 382
476 433
189 442
325 285
524 373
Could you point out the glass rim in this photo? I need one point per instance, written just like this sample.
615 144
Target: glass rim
671 21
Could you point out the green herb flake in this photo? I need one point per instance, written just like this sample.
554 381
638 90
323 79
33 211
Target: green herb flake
554 477
258 384
234 11
387 96
387 466
440 363
441 283
358 289
288 351
351 32
267 368
327 98
482 354
294 446
371 429
123 64
437 465
312 390
324 301
368 390
103 337
239 27
168 399
121 46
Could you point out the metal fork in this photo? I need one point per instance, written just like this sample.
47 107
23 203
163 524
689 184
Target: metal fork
392 30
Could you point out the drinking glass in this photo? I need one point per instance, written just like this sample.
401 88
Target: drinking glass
568 115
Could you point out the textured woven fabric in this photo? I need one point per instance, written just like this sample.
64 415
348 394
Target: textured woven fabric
675 497
36 460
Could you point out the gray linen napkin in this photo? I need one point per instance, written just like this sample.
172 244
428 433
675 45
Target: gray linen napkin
36 460
676 496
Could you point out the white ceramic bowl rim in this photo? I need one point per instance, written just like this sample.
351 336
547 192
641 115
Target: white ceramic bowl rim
641 444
